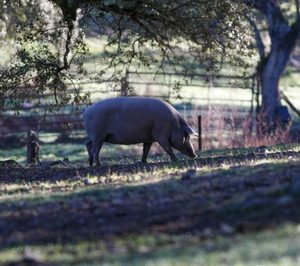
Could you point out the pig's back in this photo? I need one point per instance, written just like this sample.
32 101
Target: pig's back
136 108
128 120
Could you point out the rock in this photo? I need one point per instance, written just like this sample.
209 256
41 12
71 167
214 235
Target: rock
87 182
30 258
189 174
30 255
226 229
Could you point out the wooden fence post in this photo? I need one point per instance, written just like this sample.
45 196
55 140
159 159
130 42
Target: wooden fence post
33 147
200 132
125 88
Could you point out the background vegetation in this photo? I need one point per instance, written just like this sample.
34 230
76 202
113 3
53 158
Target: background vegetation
236 204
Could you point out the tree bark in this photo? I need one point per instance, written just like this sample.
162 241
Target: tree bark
270 72
271 69
283 40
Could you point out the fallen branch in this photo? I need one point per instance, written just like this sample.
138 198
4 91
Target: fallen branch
289 103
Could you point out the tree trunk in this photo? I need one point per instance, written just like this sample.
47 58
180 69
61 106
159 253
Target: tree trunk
270 73
283 38
271 69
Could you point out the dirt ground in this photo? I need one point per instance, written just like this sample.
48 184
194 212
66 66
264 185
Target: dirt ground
240 197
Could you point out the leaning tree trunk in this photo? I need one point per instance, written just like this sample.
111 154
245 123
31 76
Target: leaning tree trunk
271 69
283 39
270 72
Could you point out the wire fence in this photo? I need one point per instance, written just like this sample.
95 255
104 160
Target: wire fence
224 102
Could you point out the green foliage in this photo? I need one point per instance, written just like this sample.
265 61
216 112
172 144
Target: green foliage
51 47
42 63
14 14
205 31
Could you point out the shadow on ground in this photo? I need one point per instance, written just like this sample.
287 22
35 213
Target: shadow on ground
239 199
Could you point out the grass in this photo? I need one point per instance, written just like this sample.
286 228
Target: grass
113 154
50 150
274 245
271 247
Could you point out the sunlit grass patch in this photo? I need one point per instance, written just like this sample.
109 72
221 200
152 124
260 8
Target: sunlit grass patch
279 246
126 154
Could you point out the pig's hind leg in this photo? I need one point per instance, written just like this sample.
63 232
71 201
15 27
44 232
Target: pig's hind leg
88 145
97 143
146 149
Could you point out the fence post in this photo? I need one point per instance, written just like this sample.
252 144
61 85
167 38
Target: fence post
200 132
125 88
33 147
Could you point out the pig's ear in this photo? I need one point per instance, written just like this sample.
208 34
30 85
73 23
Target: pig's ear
188 132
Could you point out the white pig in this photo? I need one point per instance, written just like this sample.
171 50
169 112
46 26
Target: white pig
132 120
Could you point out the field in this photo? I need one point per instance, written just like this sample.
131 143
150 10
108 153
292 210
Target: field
228 207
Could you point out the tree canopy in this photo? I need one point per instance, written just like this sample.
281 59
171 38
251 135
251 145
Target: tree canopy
50 41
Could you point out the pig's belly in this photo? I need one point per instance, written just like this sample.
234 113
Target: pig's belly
129 138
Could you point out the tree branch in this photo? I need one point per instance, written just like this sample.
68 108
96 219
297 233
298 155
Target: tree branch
278 25
66 64
297 9
259 41
286 99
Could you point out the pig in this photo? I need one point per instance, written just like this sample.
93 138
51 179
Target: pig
133 120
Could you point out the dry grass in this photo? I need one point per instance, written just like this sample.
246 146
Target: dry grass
229 128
